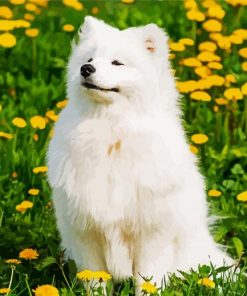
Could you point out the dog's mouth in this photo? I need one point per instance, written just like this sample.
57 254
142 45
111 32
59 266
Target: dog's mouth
93 86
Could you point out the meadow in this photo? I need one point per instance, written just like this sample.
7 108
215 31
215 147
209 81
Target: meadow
208 42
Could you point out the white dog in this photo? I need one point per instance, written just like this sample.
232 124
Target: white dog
127 192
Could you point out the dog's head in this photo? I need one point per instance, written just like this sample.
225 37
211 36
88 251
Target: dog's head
108 65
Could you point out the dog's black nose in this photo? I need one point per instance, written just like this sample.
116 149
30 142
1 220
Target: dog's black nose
87 70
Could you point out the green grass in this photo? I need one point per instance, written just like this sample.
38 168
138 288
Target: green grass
32 82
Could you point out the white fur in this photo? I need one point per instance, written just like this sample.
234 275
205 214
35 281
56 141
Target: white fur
127 192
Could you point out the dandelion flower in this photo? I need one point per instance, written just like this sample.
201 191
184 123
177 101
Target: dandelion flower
235 39
33 32
243 52
14 175
68 28
221 101
186 86
33 191
13 261
208 3
199 138
41 169
242 33
195 15
212 25
200 96
203 71
102 275
242 196
194 149
244 88
5 12
62 104
29 254
215 65
216 108
207 46
192 62
190 4
128 1
206 56
5 290
29 17
216 11
233 94
231 78
23 206
46 290
206 282
7 40
95 10
85 275
30 7
214 193
17 2
216 80
244 66
38 122
73 4
187 41
51 115
176 46
19 122
6 135
148 287
224 42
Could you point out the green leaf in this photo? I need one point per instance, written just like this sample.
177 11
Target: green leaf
238 245
45 262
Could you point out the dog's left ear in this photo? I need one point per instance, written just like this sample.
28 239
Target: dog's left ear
155 40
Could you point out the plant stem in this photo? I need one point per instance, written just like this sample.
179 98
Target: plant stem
11 278
28 287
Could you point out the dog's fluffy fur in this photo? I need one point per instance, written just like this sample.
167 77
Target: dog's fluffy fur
127 192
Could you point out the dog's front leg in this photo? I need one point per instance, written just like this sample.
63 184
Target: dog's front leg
117 254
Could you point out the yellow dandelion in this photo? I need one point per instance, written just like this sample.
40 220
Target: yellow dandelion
19 122
195 15
199 138
7 40
244 88
5 290
176 46
212 25
216 108
207 46
190 4
215 65
242 196
68 28
203 71
242 33
13 261
35 137
206 282
214 193
216 80
73 4
187 86
29 254
33 32
42 3
14 175
51 115
187 41
5 12
216 11
23 206
208 3
8 25
235 39
30 7
38 122
224 42
17 2
41 169
243 52
148 287
6 135
221 101
46 290
200 96
231 78
85 275
233 94
33 191
128 1
244 66
206 56
192 62
194 149
29 17
215 36
61 104
102 275
95 10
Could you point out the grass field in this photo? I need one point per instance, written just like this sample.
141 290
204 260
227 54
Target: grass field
35 38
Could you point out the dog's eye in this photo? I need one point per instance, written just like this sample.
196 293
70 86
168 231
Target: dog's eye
90 60
117 63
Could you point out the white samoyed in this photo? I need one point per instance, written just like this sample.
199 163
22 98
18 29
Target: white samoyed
128 195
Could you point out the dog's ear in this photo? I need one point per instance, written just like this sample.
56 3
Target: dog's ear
155 40
92 25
